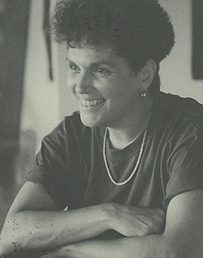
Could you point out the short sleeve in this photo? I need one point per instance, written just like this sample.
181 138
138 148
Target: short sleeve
185 161
51 169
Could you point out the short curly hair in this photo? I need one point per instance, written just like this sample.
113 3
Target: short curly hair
138 30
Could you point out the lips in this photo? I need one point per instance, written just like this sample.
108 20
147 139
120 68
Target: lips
92 103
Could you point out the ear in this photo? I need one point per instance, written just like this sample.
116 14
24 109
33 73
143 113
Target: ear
147 74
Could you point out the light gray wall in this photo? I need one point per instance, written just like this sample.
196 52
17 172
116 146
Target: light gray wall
176 70
40 109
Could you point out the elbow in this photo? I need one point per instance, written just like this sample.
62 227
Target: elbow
10 240
8 245
6 249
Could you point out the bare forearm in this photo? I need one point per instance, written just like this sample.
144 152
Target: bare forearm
39 230
152 246
45 230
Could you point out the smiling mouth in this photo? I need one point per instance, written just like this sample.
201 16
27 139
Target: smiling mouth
92 103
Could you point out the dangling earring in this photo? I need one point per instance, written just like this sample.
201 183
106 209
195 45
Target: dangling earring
143 94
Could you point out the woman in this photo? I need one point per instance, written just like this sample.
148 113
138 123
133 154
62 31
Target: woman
122 177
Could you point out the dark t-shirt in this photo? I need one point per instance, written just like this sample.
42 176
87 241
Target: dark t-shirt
70 163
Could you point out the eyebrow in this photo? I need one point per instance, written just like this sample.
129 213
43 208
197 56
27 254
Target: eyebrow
95 63
102 63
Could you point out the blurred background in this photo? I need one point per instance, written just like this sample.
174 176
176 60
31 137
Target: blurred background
34 96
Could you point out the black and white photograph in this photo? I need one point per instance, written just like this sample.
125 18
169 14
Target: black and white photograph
101 128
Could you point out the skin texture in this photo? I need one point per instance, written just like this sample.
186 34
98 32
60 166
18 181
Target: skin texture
35 227
182 237
99 74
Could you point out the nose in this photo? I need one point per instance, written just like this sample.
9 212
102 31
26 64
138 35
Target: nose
84 83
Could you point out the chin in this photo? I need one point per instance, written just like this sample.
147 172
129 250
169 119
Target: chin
90 122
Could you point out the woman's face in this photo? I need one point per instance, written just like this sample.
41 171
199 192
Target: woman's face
107 91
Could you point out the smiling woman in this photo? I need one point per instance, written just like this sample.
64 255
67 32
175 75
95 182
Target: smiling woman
98 77
123 176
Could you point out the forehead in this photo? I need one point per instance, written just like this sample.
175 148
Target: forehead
88 55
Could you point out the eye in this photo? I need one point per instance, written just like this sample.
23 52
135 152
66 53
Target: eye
102 72
74 67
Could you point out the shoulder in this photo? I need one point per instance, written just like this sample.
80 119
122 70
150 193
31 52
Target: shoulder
67 133
72 133
73 123
70 126
177 110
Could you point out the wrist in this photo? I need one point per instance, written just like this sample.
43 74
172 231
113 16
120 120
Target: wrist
109 215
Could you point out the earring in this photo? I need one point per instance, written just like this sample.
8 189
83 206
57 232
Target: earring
143 94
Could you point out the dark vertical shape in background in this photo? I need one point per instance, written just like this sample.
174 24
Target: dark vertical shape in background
46 28
197 39
14 20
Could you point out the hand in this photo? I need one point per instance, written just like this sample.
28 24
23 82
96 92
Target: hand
136 221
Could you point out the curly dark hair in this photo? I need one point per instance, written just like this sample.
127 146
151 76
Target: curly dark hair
138 30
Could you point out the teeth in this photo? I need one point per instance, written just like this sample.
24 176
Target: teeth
91 103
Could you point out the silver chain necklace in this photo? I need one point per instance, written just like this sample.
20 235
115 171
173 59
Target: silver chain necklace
136 165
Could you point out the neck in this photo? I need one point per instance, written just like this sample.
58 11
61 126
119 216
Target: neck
130 131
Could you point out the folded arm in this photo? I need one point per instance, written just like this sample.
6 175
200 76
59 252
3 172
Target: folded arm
34 225
182 237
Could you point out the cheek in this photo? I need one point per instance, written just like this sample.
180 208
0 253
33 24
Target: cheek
70 79
126 95
71 82
118 89
111 87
